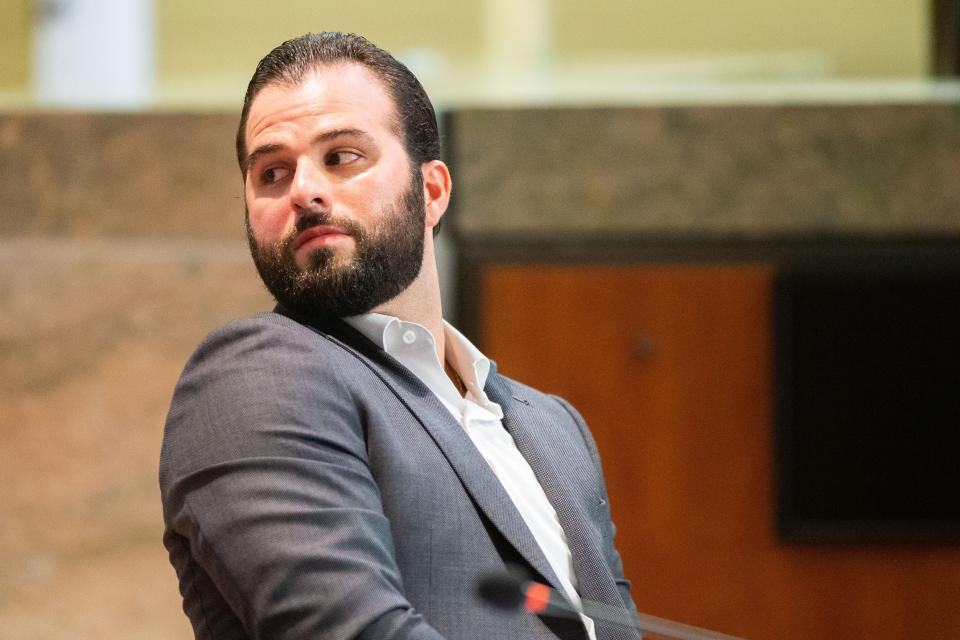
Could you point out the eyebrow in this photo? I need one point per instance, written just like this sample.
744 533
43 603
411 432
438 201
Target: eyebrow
326 136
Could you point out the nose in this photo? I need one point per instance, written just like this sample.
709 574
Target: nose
310 188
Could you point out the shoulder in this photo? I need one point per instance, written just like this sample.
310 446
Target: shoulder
268 343
557 408
259 376
263 331
267 354
540 399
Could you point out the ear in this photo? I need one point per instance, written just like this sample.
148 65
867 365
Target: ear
436 190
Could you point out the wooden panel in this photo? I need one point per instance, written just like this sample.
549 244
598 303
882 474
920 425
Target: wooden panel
671 366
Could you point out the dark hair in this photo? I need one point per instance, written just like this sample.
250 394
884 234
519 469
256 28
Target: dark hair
416 121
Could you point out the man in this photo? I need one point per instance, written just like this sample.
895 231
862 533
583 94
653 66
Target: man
350 466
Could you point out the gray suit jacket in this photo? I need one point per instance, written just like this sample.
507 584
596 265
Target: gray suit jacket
314 488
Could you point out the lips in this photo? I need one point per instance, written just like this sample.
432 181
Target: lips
312 233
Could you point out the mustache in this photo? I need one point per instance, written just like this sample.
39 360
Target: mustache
319 219
310 220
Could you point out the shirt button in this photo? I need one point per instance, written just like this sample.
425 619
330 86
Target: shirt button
409 337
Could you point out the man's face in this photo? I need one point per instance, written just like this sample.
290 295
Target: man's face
335 211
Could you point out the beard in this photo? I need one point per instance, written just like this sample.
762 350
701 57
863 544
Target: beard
386 260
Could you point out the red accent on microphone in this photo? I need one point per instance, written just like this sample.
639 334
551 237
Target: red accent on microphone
537 597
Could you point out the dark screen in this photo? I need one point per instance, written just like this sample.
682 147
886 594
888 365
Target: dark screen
868 406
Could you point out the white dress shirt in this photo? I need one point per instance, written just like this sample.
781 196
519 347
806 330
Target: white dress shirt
414 347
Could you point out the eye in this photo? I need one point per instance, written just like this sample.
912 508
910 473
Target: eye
273 174
340 158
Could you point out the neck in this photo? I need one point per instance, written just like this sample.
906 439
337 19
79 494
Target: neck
420 302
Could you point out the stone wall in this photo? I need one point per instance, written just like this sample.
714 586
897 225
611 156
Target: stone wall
121 246
750 172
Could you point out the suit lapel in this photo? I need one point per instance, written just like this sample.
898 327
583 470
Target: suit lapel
478 479
530 427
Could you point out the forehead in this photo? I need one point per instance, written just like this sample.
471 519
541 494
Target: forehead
338 95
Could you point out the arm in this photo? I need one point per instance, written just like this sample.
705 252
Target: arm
264 472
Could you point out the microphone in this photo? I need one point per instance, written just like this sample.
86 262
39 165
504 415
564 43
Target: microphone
506 591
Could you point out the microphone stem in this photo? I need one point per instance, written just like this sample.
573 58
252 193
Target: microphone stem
652 624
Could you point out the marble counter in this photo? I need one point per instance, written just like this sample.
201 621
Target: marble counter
751 171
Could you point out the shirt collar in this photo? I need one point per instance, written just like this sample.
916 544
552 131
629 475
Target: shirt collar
465 357
386 332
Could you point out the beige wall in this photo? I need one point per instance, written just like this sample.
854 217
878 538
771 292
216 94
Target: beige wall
206 51
224 36
856 38
15 44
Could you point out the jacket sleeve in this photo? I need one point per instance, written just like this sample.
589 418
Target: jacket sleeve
265 481
610 552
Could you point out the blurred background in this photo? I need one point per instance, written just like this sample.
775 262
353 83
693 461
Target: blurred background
633 177
179 54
